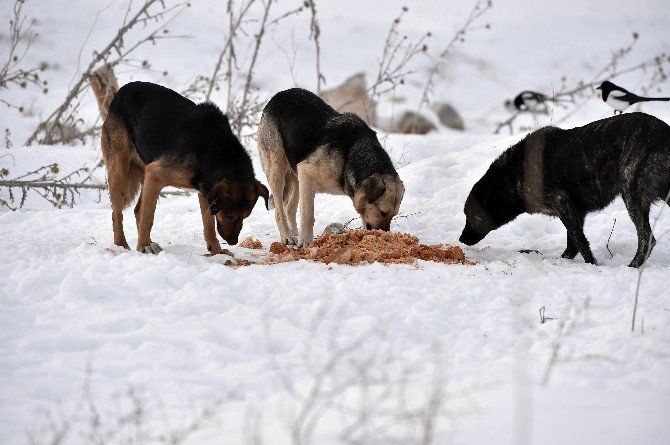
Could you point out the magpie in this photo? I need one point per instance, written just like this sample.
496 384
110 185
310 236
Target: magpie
532 101
619 98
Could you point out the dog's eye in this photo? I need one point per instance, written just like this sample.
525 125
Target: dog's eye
384 214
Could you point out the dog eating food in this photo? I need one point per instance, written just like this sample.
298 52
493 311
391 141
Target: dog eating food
306 147
153 137
570 173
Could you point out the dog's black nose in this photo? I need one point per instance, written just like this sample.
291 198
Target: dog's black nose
369 226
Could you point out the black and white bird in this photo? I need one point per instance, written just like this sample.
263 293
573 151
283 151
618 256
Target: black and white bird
619 98
532 101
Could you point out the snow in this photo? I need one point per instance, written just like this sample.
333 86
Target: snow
84 322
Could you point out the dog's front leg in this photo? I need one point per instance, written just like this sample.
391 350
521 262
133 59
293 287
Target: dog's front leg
208 221
153 183
307 191
574 224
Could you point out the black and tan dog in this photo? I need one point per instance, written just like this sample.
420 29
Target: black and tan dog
155 137
306 147
569 173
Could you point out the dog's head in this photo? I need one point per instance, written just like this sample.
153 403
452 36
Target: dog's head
489 206
378 199
232 201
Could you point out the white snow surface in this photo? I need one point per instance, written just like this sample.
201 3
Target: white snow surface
88 328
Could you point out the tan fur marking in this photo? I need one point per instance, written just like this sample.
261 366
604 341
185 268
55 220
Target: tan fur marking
379 214
325 170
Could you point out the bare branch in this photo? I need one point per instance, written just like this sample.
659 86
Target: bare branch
479 8
58 191
64 115
233 26
314 34
21 38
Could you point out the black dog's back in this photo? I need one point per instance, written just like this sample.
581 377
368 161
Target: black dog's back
161 122
594 163
300 117
152 115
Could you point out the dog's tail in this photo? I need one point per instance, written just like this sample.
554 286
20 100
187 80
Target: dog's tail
105 86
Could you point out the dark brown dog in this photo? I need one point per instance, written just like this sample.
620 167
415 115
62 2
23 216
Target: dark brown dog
157 138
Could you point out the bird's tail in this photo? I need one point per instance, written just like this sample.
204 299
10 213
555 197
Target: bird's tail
656 99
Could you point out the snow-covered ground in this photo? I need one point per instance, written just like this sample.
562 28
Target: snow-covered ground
88 328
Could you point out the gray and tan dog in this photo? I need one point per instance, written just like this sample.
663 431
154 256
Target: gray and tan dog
306 147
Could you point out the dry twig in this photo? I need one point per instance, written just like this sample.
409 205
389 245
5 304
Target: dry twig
393 66
479 8
58 191
60 125
21 38
244 106
314 34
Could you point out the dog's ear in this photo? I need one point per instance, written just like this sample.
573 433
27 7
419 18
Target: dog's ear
263 191
214 206
220 190
373 187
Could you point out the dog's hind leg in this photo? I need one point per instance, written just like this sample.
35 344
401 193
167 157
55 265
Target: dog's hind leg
151 188
123 182
276 167
573 222
571 249
291 198
276 181
638 208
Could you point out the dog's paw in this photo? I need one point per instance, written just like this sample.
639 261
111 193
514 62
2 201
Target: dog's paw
122 243
304 242
152 248
569 254
591 260
218 250
289 240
